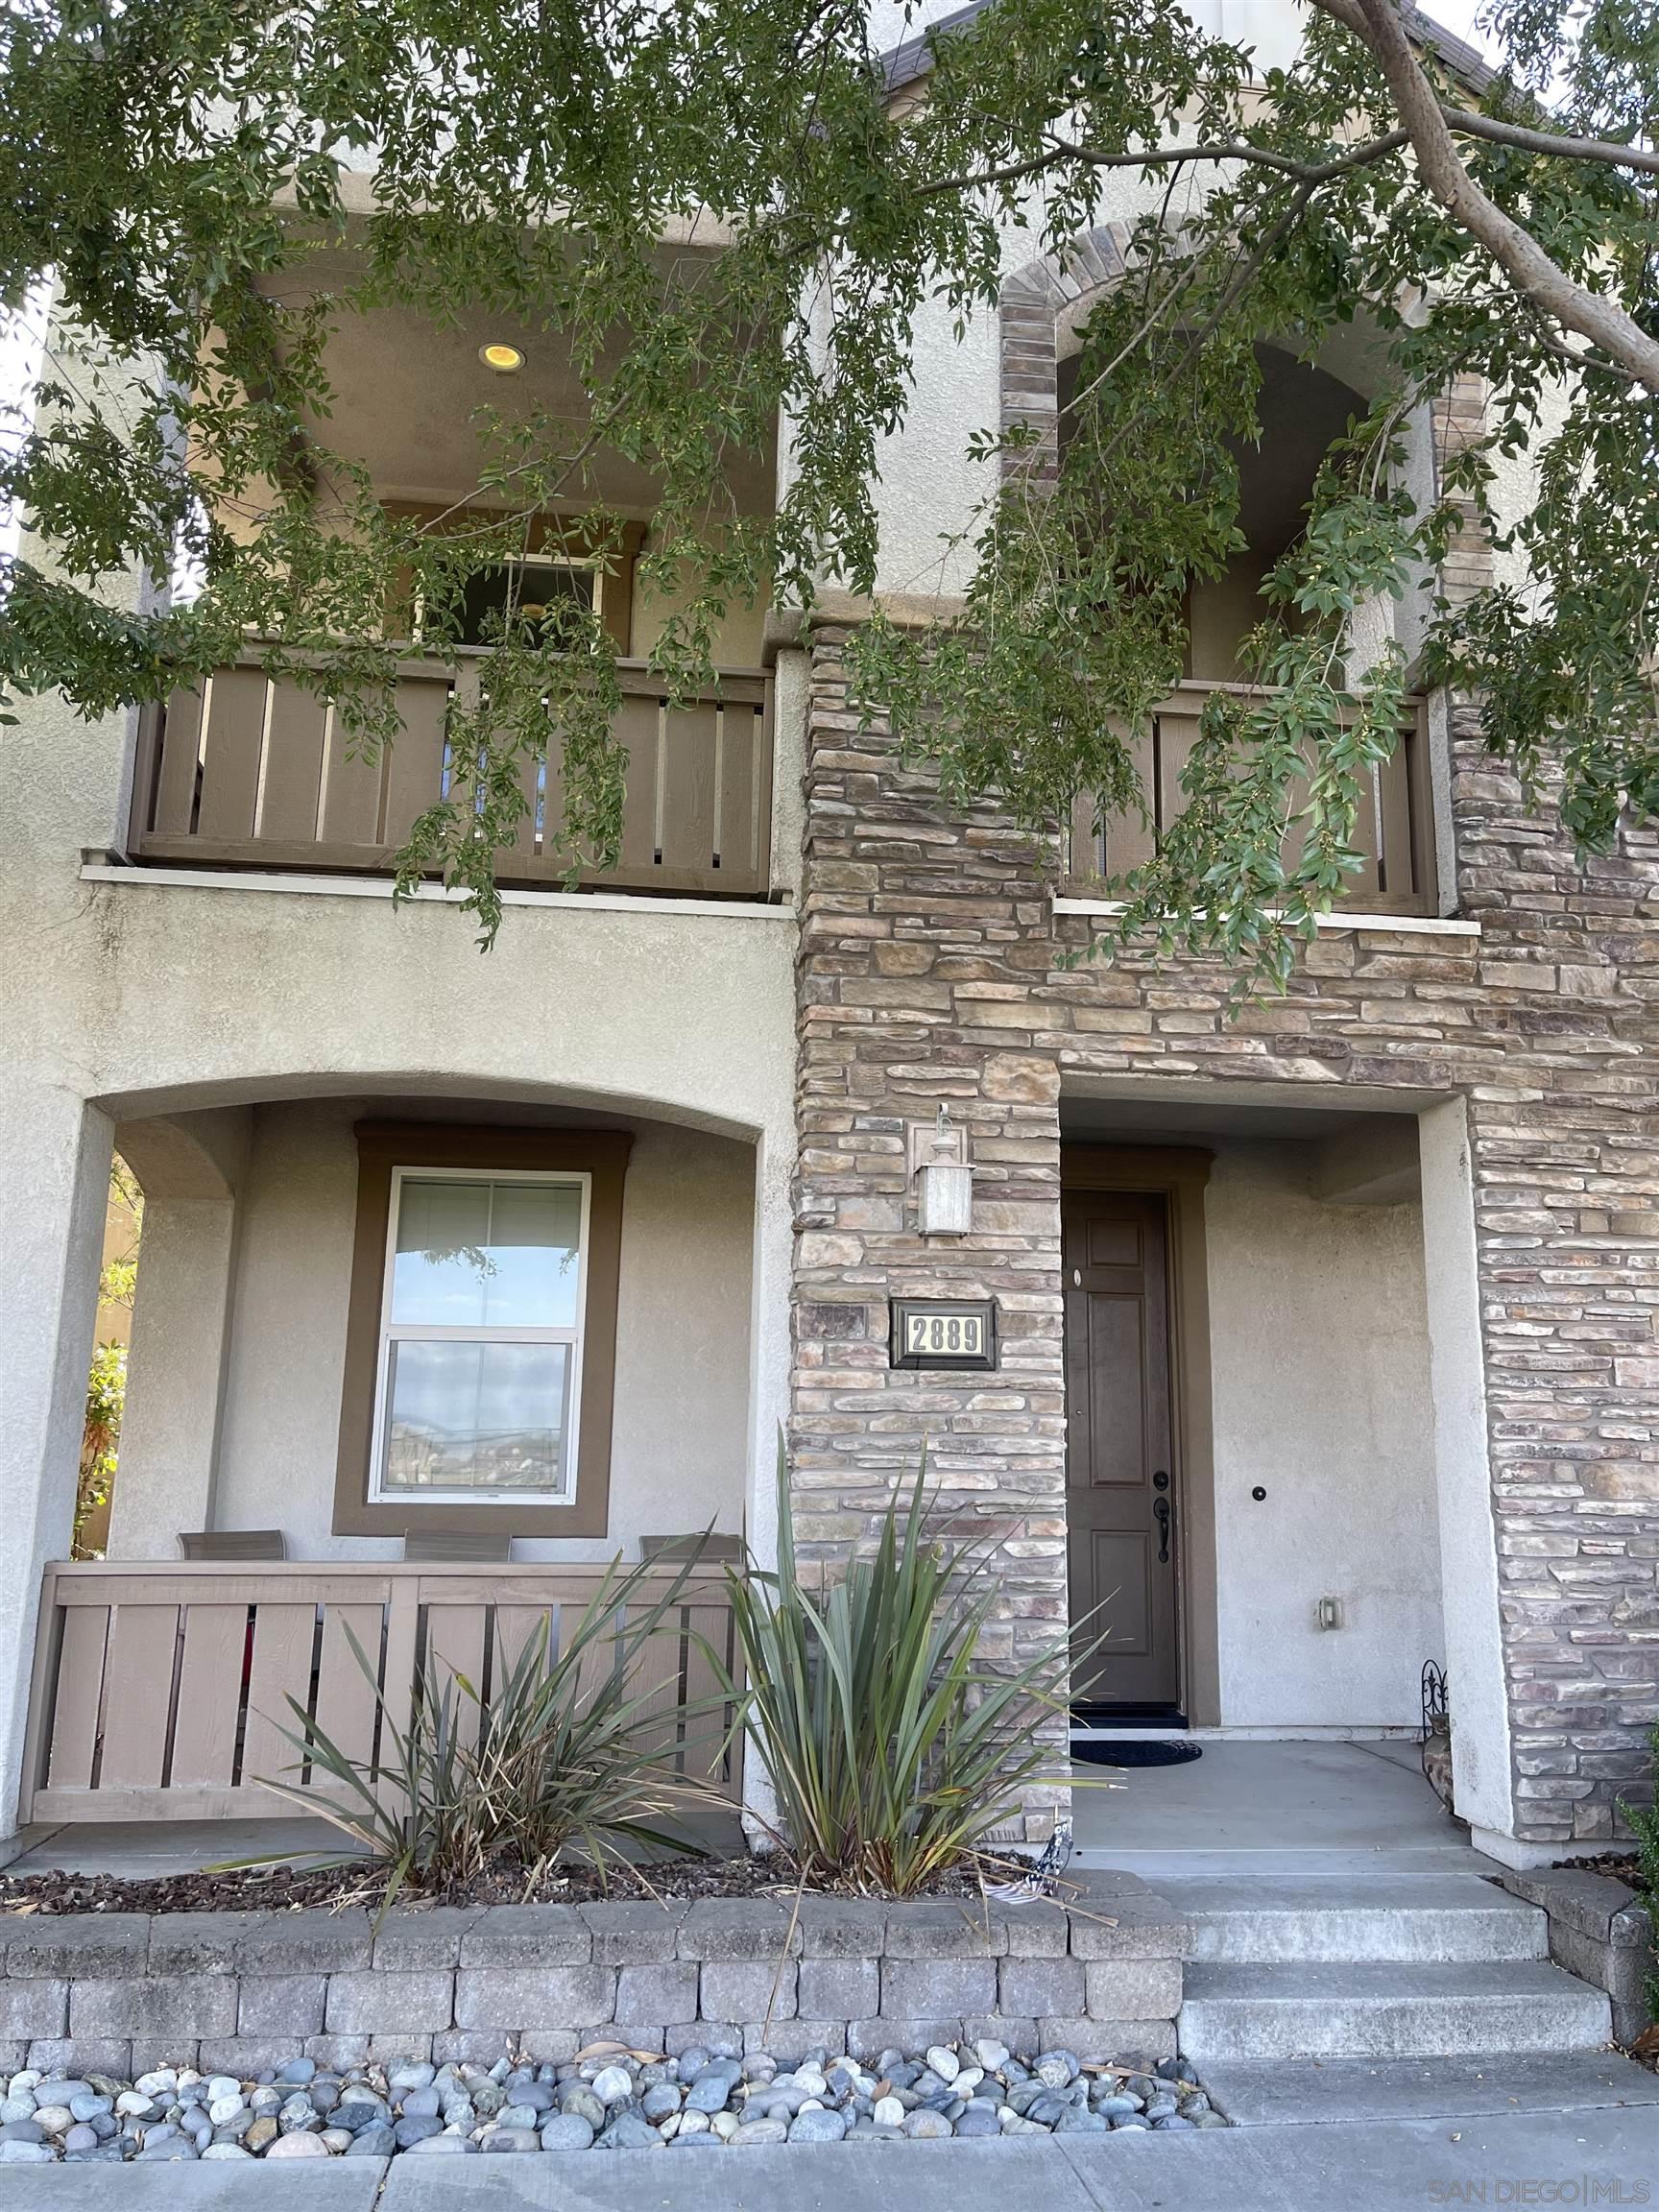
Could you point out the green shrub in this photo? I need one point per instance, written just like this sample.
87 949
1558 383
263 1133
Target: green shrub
1644 1822
100 1435
894 1745
566 1752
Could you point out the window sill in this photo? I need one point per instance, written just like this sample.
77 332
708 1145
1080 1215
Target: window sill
1396 925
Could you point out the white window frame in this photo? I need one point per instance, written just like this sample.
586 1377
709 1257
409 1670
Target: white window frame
579 565
432 1333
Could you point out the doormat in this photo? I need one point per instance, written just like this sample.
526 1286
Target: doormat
1133 1751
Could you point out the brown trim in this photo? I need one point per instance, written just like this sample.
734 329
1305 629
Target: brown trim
382 1146
42 1696
146 762
1181 1172
618 590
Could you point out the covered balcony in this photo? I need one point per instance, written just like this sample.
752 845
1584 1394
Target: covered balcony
1305 408
251 770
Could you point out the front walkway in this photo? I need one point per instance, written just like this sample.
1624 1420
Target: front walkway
1270 1808
1243 1808
1388 2166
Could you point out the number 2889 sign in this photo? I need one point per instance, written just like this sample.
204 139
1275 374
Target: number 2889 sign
943 1332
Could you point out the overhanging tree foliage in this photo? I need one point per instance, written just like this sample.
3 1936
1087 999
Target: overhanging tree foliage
181 164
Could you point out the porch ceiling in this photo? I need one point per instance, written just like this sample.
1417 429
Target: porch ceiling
407 391
1140 1120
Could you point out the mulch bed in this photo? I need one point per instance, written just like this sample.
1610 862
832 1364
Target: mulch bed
294 1888
1621 1865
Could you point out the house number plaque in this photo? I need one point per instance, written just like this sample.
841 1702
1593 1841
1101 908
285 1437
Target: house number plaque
943 1332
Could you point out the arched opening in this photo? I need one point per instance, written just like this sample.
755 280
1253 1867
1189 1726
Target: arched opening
1303 409
586 1284
296 1528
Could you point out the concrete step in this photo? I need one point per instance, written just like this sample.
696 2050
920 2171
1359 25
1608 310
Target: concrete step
1448 1918
1311 2092
1330 2009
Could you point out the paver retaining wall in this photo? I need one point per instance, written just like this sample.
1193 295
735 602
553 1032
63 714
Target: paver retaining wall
238 1992
1598 1930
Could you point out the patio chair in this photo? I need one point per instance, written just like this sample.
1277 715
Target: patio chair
433 1548
713 1551
232 1544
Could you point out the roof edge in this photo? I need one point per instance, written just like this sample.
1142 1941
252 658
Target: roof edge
912 58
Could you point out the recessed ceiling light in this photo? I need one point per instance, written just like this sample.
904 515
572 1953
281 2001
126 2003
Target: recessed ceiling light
505 360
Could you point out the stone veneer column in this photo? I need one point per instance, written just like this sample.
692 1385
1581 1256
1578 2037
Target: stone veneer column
1559 1054
923 934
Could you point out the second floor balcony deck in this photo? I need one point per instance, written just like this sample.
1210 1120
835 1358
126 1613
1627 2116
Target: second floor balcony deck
1394 833
251 771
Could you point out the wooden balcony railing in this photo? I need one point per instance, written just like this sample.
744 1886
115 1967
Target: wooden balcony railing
160 1691
1394 831
248 771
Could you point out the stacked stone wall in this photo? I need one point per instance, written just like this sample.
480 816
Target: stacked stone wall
931 970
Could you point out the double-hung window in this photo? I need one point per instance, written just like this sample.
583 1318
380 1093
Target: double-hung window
480 1364
481 1333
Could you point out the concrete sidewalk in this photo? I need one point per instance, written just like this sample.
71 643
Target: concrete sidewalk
1388 2166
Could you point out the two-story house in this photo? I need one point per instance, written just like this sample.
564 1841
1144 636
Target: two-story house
1311 1340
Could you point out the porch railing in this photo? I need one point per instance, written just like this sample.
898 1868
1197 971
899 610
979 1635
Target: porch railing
1394 830
250 771
160 1691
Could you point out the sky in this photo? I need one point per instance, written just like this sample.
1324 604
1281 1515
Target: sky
1460 17
19 358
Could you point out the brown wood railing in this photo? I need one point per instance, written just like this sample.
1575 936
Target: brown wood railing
251 771
160 1691
1395 828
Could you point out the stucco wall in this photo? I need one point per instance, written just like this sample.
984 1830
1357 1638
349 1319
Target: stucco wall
739 640
1319 1372
137 997
678 1438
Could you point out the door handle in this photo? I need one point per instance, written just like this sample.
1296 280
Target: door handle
1161 1509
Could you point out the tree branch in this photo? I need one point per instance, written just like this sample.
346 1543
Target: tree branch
1554 143
1464 121
1516 251
1167 156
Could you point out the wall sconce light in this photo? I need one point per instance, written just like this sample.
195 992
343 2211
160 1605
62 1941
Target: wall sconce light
505 360
938 1155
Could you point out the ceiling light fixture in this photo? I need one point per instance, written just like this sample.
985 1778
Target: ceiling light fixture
505 360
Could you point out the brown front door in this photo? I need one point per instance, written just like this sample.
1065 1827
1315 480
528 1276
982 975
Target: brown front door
1120 1474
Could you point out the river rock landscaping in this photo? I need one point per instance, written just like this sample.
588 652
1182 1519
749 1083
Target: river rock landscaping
609 2099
